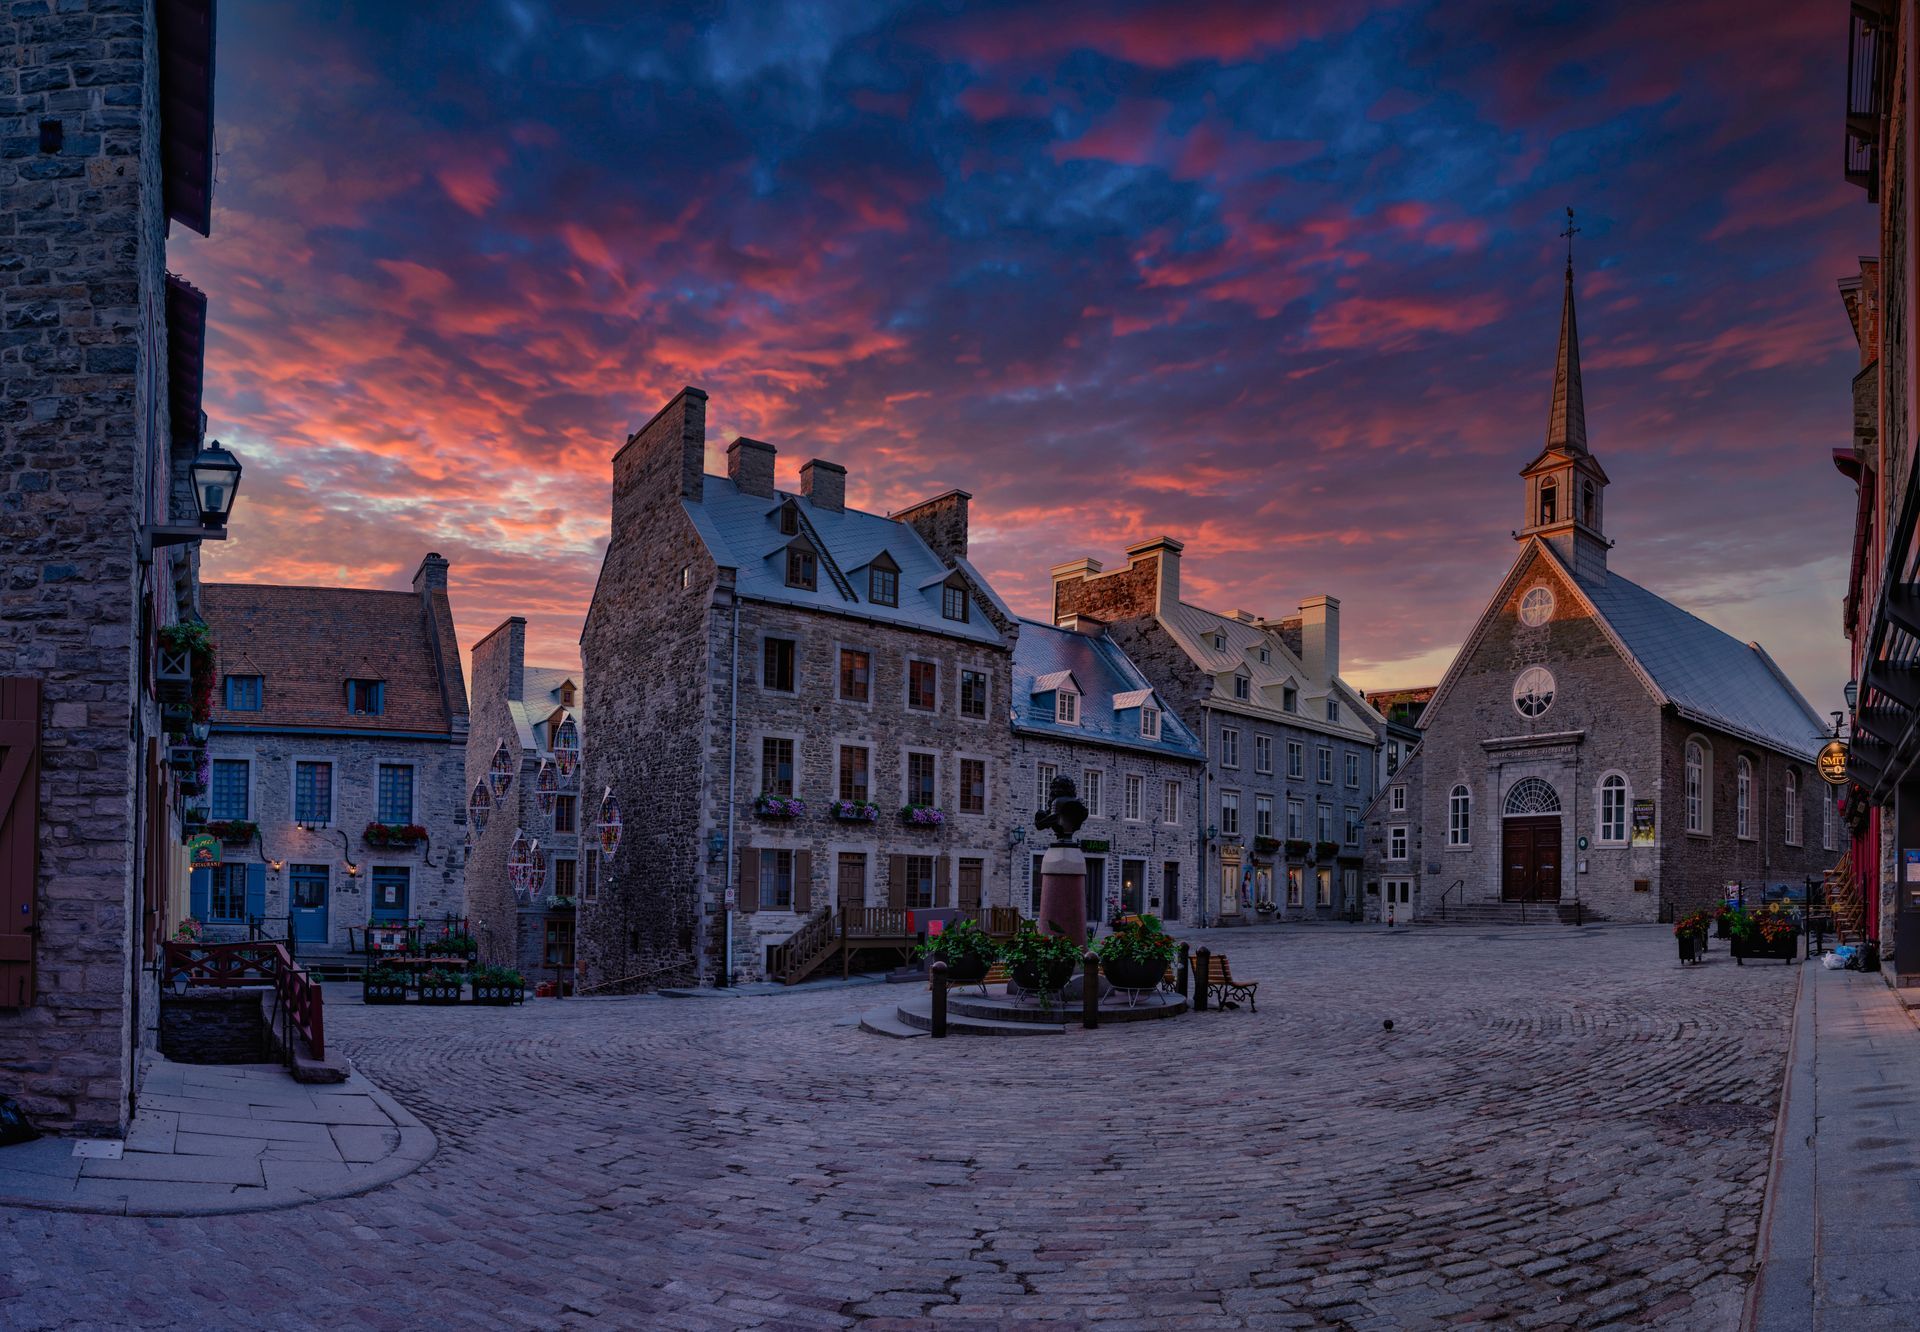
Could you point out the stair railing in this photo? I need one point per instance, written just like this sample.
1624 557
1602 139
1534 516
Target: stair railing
1457 883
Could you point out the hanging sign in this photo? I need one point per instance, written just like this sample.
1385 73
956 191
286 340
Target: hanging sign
203 850
1833 762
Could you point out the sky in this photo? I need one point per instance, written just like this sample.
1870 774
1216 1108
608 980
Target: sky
1279 279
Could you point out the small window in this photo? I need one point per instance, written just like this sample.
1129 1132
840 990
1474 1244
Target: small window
229 798
883 586
1533 691
973 694
565 813
686 577
1229 748
776 880
1290 699
922 788
313 793
1150 723
1066 707
1090 792
923 686
1397 800
1613 809
1242 688
1397 843
394 796
1263 816
1353 826
953 602
776 664
566 694
919 885
856 675
1132 797
1296 759
1170 802
227 893
566 875
973 786
1743 798
1549 497
1696 790
789 520
1230 813
243 693
1219 642
1790 824
802 570
1043 775
776 766
1459 816
1324 765
1536 608
1266 654
366 698
1296 820
1353 771
1589 504
1333 709
1263 753
854 784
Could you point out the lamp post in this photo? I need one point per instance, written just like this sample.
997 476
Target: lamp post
214 475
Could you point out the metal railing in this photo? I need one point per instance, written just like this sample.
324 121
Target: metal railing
267 963
1457 883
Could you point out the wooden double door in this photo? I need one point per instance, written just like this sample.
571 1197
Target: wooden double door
1530 859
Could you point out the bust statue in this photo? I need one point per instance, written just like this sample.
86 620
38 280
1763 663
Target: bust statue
1065 811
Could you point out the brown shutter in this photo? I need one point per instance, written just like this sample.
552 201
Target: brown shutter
897 882
940 881
749 886
803 882
19 836
970 892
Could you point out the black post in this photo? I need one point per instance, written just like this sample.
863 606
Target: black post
939 998
1181 975
1201 970
1090 991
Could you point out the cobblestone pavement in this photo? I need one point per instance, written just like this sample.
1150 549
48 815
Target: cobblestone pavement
1559 1131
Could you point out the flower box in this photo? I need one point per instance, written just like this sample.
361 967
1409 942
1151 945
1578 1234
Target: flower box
1783 947
923 816
1297 847
393 834
499 994
176 719
856 811
234 832
440 991
173 674
780 807
1266 846
1326 850
383 992
183 758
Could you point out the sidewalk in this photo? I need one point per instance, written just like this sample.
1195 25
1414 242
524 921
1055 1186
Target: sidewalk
211 1138
1842 1222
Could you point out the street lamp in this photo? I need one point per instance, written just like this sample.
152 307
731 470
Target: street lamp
1852 691
214 474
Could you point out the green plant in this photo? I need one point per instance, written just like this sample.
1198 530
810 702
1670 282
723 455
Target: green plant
459 945
439 976
961 943
383 974
1137 939
1040 955
1694 922
504 976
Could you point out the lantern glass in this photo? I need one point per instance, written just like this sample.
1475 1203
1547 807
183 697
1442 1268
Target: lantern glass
215 474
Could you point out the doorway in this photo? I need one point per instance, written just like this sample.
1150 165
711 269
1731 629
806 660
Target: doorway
307 902
1096 888
1530 859
1399 901
1133 886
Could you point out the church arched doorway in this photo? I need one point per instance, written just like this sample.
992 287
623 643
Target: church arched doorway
1530 842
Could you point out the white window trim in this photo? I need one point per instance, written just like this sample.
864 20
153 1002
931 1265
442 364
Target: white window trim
1126 779
1262 804
1096 806
1743 800
1236 830
1397 800
1466 824
1147 710
1600 837
1793 811
1264 768
1060 706
1177 788
1706 787
1233 744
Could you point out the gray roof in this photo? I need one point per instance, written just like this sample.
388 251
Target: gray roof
742 532
539 700
1044 656
1705 673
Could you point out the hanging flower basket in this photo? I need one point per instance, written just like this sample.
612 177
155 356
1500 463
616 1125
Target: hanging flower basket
500 770
610 826
1266 846
1326 850
1297 847
566 747
780 807
479 808
856 811
393 834
925 816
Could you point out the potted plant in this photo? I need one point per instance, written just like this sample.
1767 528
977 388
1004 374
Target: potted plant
189 930
925 816
1135 955
968 951
856 811
1723 915
440 986
1772 931
1040 963
1297 848
460 945
498 986
769 806
1691 933
383 984
393 834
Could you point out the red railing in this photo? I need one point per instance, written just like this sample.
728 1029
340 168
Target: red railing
260 963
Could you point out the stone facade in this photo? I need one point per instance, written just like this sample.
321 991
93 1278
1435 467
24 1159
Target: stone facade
97 412
1398 850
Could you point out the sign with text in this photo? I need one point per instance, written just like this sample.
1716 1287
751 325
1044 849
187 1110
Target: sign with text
1643 823
1833 762
203 851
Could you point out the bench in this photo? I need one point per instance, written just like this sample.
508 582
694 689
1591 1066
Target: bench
996 975
1222 988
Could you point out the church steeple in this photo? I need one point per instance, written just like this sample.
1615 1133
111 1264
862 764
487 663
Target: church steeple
1567 421
1565 482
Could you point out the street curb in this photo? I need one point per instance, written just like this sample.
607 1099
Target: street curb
1783 1119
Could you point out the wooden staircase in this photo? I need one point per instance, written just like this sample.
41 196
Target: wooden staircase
862 934
1843 900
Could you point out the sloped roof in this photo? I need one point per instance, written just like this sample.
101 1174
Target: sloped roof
537 703
1106 675
309 641
1704 672
742 532
1193 629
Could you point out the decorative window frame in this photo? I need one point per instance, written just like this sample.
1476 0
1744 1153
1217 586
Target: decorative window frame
1600 837
1460 829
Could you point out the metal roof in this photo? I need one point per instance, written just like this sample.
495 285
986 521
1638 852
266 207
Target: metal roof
1194 629
538 701
1109 682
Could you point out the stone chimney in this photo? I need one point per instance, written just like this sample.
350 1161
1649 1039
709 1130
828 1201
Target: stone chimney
941 523
1164 553
665 457
502 655
1320 638
431 576
750 467
824 484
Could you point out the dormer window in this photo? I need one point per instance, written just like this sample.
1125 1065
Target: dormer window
953 602
566 694
366 698
244 692
1219 642
1333 709
883 585
802 568
789 520
1289 699
1242 688
1266 655
1066 707
1549 499
1149 723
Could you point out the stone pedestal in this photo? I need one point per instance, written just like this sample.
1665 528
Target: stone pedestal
1063 893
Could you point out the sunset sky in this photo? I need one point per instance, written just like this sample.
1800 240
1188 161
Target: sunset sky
1280 279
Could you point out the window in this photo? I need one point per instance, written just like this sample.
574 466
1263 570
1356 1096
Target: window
227 893
850 879
1696 787
776 665
1296 820
919 885
1393 757
1090 792
776 766
883 586
856 676
921 786
1790 823
1323 886
558 946
776 880
565 877
1353 826
1229 748
366 698
243 693
1323 763
686 577
1460 816
1536 608
1353 771
1397 799
1170 802
1263 753
953 602
1549 495
1296 759
973 786
973 694
923 686
1743 797
1149 723
1229 813
313 793
566 694
1397 843
1323 821
1263 816
395 798
853 773
1043 776
1242 687
1266 654
1219 642
229 797
591 881
1132 796
1066 707
1827 814
789 520
1333 709
1613 809
802 569
1289 699
1533 691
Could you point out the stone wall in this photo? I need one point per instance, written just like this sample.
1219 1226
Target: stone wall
214 1026
1422 846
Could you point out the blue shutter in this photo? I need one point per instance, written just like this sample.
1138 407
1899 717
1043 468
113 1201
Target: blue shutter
200 894
257 890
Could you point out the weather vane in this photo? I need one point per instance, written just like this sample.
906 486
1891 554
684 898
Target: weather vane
1570 233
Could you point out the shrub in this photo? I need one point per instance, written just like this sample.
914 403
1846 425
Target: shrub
961 943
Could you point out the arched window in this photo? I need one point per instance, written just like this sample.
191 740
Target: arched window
1549 497
1791 823
1531 795
1613 808
1697 807
1459 816
1743 798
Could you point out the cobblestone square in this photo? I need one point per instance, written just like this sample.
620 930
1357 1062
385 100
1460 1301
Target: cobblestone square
1562 1129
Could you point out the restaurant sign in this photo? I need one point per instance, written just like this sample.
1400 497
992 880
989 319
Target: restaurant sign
1833 762
203 851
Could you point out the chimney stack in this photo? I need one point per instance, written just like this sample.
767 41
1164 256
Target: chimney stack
941 523
1165 552
431 576
825 485
750 467
1320 638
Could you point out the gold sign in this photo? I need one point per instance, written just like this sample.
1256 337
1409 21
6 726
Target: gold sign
1833 762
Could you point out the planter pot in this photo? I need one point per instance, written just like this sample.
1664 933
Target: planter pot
1786 950
1721 930
498 995
1134 974
1033 980
383 992
966 970
1691 946
439 994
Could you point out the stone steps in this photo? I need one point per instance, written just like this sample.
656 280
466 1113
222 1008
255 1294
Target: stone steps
918 1013
1509 913
886 1022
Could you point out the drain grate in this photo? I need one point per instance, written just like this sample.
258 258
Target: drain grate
1716 1116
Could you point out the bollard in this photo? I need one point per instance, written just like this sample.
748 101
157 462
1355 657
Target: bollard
1201 970
1090 991
939 998
1181 975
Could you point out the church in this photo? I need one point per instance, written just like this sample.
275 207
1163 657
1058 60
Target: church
1595 749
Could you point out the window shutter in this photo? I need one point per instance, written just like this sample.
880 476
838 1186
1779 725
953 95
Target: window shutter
200 894
940 881
257 891
897 882
749 886
19 836
970 893
803 882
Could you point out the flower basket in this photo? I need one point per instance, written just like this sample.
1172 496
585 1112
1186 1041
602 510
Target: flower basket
779 807
968 951
393 834
922 816
1266 846
440 987
856 811
1297 847
1326 850
234 832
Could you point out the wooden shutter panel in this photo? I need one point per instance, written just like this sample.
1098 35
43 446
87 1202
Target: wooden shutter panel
257 891
970 892
897 882
803 882
749 885
200 894
19 836
940 881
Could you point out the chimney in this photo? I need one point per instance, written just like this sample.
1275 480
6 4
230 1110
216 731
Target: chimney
431 576
750 467
504 651
666 456
1165 552
824 484
941 523
1320 638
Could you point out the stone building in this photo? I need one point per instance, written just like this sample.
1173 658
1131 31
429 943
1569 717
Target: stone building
750 648
1081 709
1394 835
106 131
1595 744
1399 729
1290 745
338 761
534 716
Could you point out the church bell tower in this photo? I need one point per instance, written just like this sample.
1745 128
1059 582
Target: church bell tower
1566 486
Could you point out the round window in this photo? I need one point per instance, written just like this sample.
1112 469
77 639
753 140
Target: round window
1536 606
1533 691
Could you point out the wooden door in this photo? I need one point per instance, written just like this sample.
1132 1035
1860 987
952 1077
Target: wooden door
1530 859
19 836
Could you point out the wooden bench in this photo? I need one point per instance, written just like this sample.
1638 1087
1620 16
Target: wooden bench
1222 988
996 975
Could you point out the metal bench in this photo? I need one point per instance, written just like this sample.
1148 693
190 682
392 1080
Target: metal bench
1223 989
